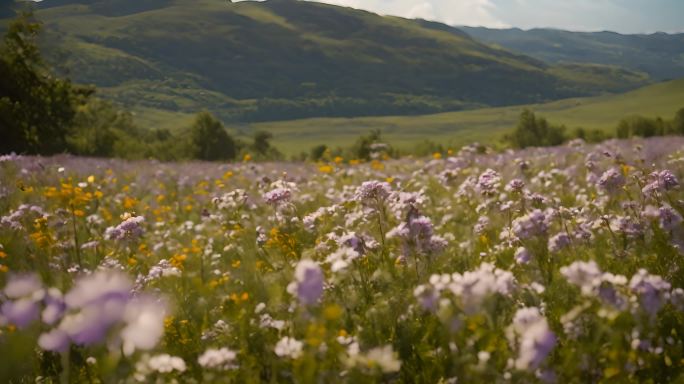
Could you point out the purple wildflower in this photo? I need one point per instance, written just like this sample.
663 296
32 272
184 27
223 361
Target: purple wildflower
308 284
278 196
558 242
611 180
129 229
652 290
669 219
25 292
488 182
661 181
515 186
371 191
522 255
536 340
531 225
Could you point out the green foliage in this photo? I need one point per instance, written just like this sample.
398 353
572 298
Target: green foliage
678 122
372 146
36 109
317 152
261 148
98 125
647 127
640 126
535 132
209 139
591 135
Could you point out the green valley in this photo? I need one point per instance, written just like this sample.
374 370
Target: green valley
485 125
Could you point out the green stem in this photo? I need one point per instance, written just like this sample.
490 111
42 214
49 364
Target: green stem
76 245
64 377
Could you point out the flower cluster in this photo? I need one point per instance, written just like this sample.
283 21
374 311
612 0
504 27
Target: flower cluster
472 265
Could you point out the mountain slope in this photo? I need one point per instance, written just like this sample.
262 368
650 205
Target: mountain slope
283 59
659 55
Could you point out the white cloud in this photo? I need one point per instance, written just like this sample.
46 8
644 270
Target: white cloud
627 16
422 11
454 12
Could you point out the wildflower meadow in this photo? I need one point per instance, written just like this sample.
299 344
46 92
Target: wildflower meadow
554 265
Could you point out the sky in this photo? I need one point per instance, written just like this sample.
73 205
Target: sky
624 16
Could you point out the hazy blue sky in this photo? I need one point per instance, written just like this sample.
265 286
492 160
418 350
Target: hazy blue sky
626 16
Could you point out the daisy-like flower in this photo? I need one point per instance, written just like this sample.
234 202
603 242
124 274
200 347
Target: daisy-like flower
219 359
289 347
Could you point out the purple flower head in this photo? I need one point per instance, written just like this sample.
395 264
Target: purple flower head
531 225
96 302
661 181
609 294
372 191
308 284
278 196
98 288
418 233
536 340
488 182
481 225
420 227
583 231
611 180
129 229
669 219
25 291
652 290
473 287
585 275
427 297
55 340
558 242
97 305
515 186
21 312
522 255
54 306
356 242
627 226
22 285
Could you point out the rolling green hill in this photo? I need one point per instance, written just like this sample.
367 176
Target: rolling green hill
485 125
659 55
285 59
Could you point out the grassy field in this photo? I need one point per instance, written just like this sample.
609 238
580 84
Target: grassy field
453 128
484 125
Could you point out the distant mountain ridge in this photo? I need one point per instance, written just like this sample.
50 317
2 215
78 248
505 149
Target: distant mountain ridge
285 59
660 55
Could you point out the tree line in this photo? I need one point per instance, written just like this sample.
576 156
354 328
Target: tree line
534 131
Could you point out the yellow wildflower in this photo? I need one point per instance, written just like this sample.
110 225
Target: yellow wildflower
325 168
